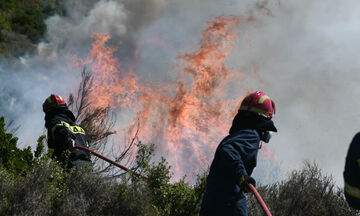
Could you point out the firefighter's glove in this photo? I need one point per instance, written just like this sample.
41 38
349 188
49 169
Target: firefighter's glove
244 182
71 145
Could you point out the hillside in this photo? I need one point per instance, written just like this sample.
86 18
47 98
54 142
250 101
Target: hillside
22 25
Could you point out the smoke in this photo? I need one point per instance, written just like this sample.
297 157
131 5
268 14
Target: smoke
117 18
303 55
306 56
27 82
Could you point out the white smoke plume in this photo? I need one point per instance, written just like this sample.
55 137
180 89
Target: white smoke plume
304 54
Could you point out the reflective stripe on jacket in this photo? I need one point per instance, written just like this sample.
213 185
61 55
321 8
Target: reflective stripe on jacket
61 127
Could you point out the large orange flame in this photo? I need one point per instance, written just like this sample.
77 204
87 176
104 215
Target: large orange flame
186 119
112 87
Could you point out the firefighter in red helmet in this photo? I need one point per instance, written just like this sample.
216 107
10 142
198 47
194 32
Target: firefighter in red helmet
236 157
64 133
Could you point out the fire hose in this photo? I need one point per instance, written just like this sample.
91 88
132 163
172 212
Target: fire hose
260 200
110 161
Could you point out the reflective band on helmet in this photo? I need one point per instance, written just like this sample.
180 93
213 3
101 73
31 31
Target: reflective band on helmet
254 109
263 98
243 107
352 190
60 97
257 110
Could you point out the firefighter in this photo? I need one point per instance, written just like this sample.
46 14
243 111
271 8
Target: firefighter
64 133
236 156
352 173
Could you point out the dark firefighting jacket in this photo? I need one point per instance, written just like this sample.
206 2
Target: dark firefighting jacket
235 157
61 127
352 173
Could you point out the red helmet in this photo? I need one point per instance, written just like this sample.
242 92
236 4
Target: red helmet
259 103
53 101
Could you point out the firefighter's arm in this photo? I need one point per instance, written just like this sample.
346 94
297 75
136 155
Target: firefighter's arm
352 191
237 165
352 168
352 173
252 156
351 186
351 181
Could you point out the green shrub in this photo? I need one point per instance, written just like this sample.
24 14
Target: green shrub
23 21
90 194
179 198
30 22
12 158
37 185
49 190
32 194
305 192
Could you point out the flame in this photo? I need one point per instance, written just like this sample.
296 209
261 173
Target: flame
112 87
186 119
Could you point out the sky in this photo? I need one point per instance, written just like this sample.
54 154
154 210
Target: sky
303 54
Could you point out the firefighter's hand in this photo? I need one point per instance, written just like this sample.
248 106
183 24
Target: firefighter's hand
244 181
71 145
